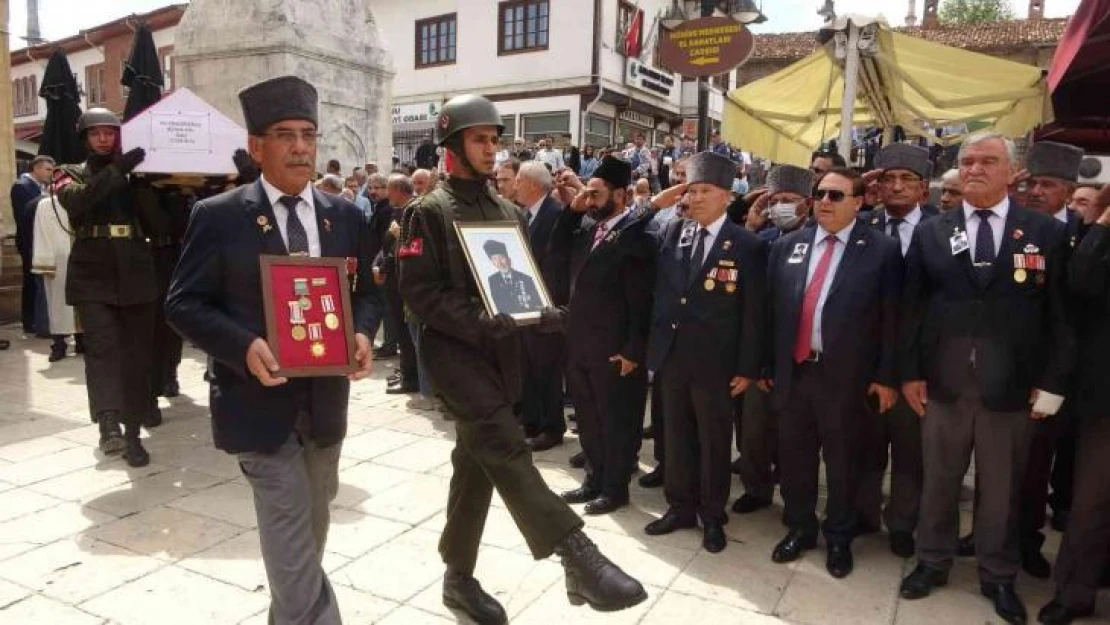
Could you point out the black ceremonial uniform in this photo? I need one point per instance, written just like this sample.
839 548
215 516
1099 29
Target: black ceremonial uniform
111 283
514 292
478 376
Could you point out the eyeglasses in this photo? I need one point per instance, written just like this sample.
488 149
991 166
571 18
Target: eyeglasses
834 195
289 137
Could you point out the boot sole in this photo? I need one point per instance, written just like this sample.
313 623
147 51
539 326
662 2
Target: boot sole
112 446
577 600
455 605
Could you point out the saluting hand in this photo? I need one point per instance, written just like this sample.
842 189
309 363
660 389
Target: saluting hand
363 356
262 364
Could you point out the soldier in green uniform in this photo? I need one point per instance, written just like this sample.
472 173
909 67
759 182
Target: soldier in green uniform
111 283
474 361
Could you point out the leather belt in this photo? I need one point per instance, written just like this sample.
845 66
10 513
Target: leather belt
107 231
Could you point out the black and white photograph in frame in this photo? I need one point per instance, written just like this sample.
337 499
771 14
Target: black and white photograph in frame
504 269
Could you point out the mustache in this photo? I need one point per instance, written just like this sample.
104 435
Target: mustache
298 161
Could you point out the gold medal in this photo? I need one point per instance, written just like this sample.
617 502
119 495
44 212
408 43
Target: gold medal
306 304
331 321
318 350
710 284
731 287
298 333
1019 276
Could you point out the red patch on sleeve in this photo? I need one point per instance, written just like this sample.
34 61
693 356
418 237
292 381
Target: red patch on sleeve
413 248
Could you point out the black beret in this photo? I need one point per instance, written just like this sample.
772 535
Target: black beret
495 247
615 171
711 168
911 158
278 99
1059 160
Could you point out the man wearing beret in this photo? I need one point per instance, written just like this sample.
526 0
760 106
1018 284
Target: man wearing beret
895 436
286 433
705 346
1053 171
474 360
787 201
986 350
512 291
834 292
608 259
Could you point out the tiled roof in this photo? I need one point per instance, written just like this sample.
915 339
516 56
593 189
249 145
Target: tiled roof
978 37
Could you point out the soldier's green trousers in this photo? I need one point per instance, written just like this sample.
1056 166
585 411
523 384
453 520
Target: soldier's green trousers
490 453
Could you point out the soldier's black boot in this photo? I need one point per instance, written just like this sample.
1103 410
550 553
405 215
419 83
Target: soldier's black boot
171 389
592 578
111 436
133 451
153 418
463 592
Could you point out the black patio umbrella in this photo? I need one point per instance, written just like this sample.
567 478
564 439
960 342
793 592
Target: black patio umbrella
59 130
142 74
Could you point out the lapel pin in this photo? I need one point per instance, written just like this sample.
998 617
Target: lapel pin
726 245
264 222
1018 234
860 242
1031 249
327 225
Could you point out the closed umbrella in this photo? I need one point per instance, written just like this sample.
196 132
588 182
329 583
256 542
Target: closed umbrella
59 130
142 74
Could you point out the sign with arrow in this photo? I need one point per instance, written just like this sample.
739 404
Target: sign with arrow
706 47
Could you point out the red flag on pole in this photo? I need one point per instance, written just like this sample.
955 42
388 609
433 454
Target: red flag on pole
632 37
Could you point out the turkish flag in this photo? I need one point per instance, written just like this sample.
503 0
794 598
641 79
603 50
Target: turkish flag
632 37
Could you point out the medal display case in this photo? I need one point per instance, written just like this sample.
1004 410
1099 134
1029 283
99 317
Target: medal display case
309 323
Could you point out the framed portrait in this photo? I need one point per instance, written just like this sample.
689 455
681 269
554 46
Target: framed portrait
502 265
309 322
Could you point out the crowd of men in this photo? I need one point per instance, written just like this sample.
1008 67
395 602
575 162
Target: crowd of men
828 315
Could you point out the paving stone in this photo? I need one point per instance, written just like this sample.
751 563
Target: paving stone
75 569
166 533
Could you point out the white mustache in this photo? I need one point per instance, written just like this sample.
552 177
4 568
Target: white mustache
295 161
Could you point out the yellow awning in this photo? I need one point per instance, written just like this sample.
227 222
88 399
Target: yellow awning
908 82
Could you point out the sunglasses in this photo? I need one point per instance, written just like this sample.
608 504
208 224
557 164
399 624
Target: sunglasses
834 195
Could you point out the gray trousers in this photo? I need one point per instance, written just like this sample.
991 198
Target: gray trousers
899 431
1000 441
292 489
759 441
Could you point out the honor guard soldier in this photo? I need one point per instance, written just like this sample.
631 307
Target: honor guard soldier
286 434
705 346
474 361
895 436
788 201
834 294
985 333
609 259
1083 553
111 283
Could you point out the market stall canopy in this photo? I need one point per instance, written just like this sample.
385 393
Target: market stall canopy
904 81
1079 77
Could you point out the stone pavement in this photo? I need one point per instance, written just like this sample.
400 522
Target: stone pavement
84 539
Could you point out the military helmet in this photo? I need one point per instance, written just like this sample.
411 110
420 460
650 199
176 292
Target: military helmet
96 117
466 111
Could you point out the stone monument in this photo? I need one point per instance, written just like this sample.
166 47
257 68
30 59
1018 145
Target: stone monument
221 46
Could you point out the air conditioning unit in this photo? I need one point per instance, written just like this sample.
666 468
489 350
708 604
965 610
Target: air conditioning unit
1094 170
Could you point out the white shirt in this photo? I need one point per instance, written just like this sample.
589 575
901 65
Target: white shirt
712 230
551 157
905 229
1062 215
534 209
998 224
819 245
306 212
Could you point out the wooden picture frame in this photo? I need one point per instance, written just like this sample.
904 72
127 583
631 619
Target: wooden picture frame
523 294
318 348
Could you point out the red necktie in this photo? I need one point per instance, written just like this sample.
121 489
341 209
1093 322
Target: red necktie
803 342
602 230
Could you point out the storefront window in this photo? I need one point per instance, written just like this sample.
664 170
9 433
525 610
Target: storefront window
538 125
510 128
598 131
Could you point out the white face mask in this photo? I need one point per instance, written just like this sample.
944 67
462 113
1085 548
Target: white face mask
784 215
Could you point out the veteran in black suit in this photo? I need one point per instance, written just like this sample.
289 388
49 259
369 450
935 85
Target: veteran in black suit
834 292
286 433
705 346
544 352
984 334
608 259
895 437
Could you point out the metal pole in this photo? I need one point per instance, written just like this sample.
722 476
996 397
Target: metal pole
851 80
703 92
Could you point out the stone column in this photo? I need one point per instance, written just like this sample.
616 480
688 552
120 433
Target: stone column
221 46
7 126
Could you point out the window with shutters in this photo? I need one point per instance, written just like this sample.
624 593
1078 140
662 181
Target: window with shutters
435 40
